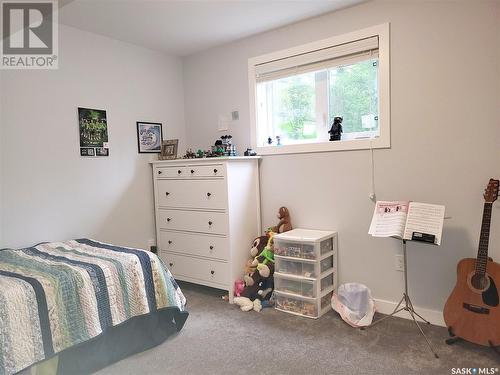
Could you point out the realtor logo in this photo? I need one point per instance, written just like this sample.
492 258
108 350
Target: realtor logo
29 35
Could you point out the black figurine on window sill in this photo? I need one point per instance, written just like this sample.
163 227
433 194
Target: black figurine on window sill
336 129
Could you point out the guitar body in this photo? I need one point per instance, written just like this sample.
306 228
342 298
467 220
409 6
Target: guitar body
474 314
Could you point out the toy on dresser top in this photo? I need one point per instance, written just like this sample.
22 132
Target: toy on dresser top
258 278
222 147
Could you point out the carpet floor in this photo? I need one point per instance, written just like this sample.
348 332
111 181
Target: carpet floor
218 338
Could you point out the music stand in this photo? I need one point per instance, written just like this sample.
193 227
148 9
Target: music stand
408 306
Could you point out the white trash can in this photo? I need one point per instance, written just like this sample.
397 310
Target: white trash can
354 303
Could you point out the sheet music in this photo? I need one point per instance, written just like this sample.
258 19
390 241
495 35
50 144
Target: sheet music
389 219
425 218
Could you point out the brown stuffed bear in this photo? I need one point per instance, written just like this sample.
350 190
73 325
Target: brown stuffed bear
285 224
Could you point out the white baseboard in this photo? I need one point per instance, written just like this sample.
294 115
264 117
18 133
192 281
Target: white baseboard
433 316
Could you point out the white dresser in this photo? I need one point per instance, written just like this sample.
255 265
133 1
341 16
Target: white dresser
207 215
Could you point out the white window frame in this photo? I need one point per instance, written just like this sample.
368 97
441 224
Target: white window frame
384 116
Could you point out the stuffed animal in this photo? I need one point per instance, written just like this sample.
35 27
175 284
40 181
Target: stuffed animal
285 224
258 246
252 296
266 288
246 304
264 263
239 285
249 298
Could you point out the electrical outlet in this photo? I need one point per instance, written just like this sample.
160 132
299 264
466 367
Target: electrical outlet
399 264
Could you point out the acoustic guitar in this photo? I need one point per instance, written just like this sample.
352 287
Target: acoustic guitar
472 311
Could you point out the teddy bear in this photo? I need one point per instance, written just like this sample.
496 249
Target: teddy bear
285 223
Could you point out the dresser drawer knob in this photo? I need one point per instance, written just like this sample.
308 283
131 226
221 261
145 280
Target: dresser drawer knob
167 193
210 223
179 171
215 170
211 247
209 194
168 219
159 172
169 242
170 264
192 171
212 272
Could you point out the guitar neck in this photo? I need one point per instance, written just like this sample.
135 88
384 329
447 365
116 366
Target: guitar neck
484 238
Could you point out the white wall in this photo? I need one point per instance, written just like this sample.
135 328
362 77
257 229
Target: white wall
445 138
49 191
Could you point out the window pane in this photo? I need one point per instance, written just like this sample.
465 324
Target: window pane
286 109
354 97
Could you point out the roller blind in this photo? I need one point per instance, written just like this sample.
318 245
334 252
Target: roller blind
317 60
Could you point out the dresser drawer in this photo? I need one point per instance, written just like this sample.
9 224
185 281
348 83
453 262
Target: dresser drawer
195 268
195 244
194 221
191 171
205 194
216 170
171 172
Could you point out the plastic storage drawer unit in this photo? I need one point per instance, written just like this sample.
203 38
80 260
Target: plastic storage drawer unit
305 271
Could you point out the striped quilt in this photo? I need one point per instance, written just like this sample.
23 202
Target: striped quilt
57 295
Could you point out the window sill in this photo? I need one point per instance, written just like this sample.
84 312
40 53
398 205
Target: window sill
347 145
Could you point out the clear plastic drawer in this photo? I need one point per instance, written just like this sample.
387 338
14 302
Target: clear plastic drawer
293 267
304 287
302 250
301 287
298 267
296 305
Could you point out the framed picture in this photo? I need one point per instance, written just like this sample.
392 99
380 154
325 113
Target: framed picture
93 129
149 137
169 149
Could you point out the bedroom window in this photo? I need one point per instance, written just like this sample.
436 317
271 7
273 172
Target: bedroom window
296 94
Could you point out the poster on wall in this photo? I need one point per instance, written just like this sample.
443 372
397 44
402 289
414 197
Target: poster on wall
93 128
149 137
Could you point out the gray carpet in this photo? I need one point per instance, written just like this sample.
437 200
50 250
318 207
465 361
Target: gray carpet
218 338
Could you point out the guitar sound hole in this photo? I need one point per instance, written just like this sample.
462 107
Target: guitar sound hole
480 282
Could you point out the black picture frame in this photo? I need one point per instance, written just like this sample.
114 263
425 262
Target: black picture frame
149 137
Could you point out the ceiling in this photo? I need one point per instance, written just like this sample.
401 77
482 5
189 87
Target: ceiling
181 27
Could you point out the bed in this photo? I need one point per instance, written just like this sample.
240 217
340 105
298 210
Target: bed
84 302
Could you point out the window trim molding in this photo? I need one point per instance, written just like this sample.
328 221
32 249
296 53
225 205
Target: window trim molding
383 141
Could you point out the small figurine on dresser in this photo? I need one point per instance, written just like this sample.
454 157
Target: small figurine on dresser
336 129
